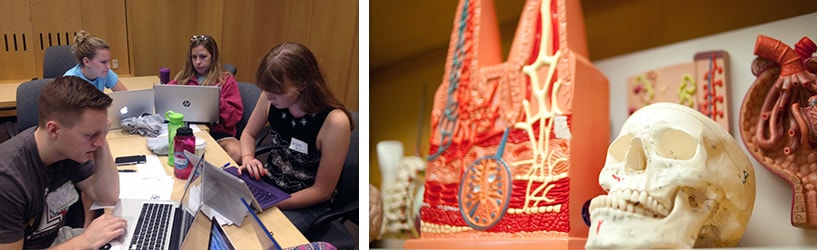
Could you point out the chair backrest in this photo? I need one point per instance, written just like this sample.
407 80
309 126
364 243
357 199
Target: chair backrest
28 96
249 96
230 68
57 60
348 184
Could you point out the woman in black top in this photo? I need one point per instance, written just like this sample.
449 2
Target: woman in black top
310 133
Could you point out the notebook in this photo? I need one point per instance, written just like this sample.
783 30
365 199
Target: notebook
131 103
218 238
154 224
199 104
264 236
222 191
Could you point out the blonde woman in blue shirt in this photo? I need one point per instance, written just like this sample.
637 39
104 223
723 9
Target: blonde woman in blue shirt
94 57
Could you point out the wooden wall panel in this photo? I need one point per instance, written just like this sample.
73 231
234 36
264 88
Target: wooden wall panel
239 46
148 34
53 23
334 41
328 28
352 96
17 61
36 25
160 31
106 19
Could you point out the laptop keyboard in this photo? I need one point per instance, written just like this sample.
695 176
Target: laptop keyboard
265 194
152 227
261 195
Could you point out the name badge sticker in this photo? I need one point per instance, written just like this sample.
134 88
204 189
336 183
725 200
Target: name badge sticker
299 146
62 198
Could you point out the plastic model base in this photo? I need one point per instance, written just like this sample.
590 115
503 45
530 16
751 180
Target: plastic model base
498 243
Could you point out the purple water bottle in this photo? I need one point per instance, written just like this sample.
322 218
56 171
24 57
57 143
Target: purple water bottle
164 75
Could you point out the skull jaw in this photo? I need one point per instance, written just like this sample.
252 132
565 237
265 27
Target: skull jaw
611 228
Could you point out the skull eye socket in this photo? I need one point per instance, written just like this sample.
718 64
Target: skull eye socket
618 149
676 144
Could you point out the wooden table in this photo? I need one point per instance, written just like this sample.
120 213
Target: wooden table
8 97
287 235
8 91
138 82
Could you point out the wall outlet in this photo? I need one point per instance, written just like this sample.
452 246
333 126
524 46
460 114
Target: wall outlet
115 63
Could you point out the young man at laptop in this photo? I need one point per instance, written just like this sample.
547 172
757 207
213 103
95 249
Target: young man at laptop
203 68
40 167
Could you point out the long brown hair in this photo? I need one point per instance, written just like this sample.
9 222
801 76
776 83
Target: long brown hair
214 77
65 99
296 62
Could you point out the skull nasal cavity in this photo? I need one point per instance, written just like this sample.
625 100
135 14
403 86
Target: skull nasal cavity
636 159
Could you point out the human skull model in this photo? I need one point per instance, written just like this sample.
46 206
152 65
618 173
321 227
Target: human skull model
674 179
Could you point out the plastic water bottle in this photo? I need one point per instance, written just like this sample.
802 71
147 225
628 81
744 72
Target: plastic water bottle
164 75
184 140
174 123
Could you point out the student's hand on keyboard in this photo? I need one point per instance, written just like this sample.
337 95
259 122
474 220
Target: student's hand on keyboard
253 167
104 229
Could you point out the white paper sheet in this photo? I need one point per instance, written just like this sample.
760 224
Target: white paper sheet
150 181
134 186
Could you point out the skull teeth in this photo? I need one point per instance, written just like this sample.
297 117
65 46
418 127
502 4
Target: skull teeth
631 201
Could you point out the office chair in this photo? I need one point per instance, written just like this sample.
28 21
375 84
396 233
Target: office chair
27 114
57 60
230 68
10 130
249 96
345 206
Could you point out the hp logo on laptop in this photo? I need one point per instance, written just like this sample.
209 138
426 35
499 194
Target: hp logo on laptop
186 103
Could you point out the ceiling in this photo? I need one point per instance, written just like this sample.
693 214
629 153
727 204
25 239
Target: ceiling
400 30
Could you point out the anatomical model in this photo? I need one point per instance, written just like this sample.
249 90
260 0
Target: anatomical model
674 179
779 120
515 145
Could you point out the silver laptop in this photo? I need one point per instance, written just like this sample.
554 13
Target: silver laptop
222 191
159 224
131 103
199 104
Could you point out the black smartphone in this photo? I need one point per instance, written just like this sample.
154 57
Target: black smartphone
130 160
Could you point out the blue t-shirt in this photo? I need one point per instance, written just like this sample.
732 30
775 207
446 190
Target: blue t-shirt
100 83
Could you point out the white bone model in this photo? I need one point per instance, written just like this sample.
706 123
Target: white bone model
674 179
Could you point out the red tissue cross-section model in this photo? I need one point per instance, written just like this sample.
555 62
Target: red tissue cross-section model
551 102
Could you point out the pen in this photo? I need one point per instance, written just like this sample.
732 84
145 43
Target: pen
225 165
127 170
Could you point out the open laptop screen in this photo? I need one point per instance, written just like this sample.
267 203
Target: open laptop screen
218 239
199 104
